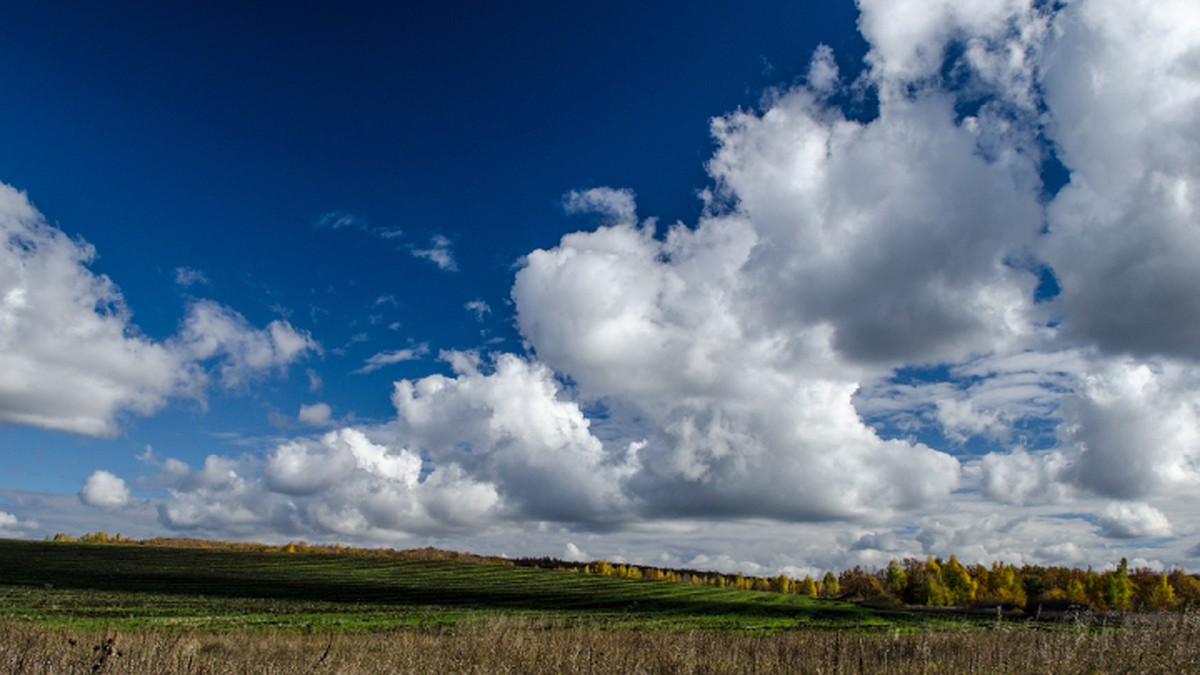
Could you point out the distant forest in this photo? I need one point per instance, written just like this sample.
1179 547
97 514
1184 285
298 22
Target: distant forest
931 582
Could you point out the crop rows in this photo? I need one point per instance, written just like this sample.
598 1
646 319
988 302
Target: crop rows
132 585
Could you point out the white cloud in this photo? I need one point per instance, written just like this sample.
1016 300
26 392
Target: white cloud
616 206
729 351
823 71
909 38
13 527
1019 476
317 414
314 380
384 359
104 490
896 235
439 253
733 349
72 360
186 277
213 331
479 308
340 485
1132 520
731 418
511 428
574 553
1135 428
1122 84
72 357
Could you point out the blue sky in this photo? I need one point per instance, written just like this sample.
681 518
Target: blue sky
786 286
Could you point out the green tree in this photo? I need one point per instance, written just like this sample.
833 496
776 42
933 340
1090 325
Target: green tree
807 586
1162 596
1001 583
895 579
1077 592
1187 589
782 584
1118 589
960 587
924 583
830 587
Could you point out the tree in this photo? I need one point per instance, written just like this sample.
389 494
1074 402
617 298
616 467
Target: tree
1118 590
895 579
1162 596
829 585
1187 589
1077 592
960 587
924 583
1001 583
807 586
858 584
782 584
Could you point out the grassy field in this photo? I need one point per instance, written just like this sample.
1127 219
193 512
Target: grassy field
133 586
88 608
1163 644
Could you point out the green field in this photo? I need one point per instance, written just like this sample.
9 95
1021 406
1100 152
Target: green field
133 586
138 608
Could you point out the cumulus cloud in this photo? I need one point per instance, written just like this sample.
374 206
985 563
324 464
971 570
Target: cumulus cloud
1131 520
14 527
574 553
72 357
896 235
317 414
1019 476
1134 427
733 418
512 428
72 360
104 490
342 484
213 331
1122 84
837 250
737 345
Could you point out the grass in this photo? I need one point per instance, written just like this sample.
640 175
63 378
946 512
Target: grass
90 608
127 587
504 645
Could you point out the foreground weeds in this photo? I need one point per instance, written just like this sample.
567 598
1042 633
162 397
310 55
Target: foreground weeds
1143 645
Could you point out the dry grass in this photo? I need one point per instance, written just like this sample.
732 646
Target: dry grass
1145 645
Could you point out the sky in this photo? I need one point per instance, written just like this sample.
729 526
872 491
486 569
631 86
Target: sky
761 287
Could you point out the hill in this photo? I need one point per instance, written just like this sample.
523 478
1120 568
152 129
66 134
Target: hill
136 585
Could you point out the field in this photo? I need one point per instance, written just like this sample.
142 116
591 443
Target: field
133 608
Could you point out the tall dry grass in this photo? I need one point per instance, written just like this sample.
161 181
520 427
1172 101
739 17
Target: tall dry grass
1143 645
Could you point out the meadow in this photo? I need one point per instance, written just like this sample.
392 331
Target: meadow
136 608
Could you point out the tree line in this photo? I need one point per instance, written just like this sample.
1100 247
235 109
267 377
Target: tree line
934 582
